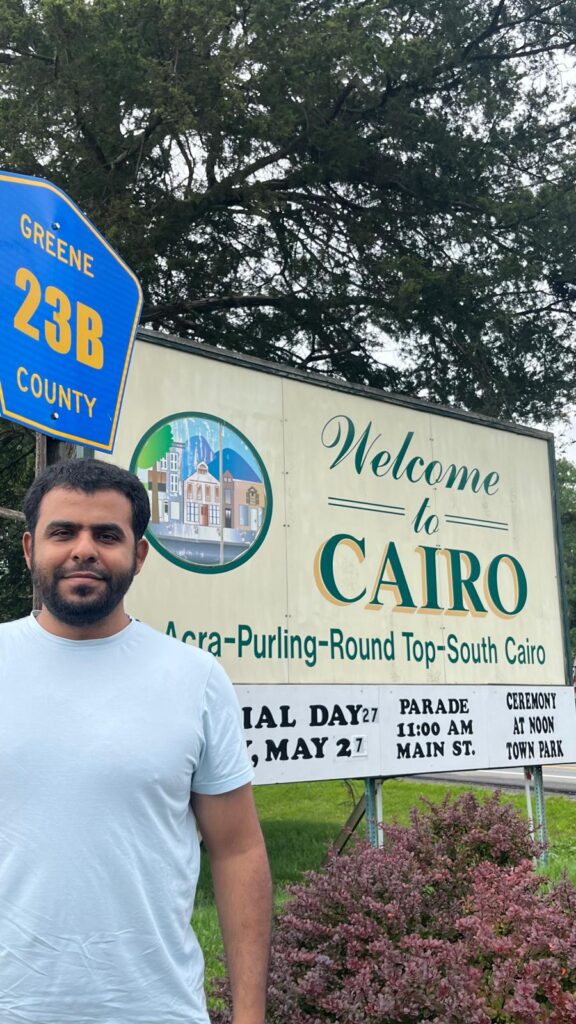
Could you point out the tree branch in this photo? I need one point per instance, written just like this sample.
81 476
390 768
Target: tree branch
238 301
137 143
489 31
284 151
16 56
10 513
240 175
88 135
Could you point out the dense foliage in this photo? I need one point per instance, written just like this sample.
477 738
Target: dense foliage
323 182
16 472
448 923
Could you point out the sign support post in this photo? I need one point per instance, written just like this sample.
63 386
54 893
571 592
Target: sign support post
542 830
528 795
371 811
374 812
379 811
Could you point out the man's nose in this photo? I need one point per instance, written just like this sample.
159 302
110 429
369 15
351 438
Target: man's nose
84 548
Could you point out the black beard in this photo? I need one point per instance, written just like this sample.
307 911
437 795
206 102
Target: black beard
79 613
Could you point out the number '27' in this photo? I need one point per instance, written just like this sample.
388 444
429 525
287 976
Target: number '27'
58 330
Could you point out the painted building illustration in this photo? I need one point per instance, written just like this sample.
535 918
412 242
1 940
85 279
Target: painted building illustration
207 491
166 475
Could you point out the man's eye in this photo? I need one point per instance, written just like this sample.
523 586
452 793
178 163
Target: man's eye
59 534
108 538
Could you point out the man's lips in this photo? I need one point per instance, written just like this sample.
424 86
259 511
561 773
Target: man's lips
81 576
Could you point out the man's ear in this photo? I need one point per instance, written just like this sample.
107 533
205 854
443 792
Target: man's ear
142 549
27 544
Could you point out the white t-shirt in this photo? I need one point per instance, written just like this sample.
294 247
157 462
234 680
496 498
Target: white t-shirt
101 743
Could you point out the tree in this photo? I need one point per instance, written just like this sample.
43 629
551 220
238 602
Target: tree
566 475
321 181
156 447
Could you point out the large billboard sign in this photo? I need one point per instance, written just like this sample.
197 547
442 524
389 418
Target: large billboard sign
313 534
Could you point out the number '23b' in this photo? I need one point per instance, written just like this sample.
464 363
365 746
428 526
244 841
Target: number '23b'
57 331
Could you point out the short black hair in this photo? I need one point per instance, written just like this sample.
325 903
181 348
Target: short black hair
89 475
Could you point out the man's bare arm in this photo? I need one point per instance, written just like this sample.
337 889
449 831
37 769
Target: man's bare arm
235 847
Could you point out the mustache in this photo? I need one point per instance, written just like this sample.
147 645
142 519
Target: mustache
62 574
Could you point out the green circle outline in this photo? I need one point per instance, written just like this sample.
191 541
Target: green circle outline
208 569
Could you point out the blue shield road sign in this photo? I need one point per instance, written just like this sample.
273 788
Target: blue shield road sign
69 309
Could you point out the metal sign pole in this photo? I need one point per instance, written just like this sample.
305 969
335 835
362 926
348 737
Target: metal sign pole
528 773
370 798
379 812
374 813
542 829
528 795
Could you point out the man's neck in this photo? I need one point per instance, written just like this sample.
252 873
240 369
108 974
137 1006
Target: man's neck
109 626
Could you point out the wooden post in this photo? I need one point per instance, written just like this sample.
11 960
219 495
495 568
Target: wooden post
49 451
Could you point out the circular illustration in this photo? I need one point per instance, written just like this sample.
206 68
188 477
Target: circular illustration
210 495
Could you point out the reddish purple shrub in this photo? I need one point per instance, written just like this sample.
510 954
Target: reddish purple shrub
523 937
448 924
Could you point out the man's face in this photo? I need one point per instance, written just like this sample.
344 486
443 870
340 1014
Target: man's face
83 556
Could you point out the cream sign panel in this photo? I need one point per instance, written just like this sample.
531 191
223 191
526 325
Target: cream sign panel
429 548
305 534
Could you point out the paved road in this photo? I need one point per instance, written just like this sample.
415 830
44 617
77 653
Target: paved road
558 778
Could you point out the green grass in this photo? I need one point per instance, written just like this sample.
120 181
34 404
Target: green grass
300 821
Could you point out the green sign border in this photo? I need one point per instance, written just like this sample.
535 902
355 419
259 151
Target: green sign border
235 563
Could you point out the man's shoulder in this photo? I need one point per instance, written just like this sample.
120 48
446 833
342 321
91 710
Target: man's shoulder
172 648
15 634
15 627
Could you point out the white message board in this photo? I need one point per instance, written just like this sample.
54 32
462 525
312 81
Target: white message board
296 733
311 534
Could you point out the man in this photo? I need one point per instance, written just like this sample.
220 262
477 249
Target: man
115 740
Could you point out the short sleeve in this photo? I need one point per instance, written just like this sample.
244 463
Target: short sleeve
223 764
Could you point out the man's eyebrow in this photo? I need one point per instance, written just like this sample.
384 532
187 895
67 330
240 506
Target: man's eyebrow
109 527
59 524
67 524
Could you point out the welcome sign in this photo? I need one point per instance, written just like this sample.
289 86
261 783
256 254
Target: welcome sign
310 533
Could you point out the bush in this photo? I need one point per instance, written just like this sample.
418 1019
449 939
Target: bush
448 923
